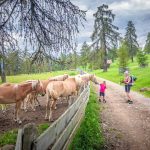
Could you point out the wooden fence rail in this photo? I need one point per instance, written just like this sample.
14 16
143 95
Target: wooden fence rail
57 136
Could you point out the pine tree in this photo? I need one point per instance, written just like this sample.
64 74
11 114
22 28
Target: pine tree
105 34
147 45
123 57
131 40
142 59
85 51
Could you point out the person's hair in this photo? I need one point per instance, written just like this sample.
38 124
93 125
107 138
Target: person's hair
126 72
104 82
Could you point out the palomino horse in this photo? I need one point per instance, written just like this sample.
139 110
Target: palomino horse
57 89
16 93
32 97
32 100
88 77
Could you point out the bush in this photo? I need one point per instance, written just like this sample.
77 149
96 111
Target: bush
123 56
142 59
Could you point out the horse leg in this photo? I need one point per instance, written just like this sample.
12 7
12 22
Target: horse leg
54 105
50 109
47 105
18 105
37 101
32 102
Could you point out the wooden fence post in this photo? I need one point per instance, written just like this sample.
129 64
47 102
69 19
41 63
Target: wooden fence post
30 133
19 140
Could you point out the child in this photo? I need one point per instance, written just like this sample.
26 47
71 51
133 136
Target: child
102 91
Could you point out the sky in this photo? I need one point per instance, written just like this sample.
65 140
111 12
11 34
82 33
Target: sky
136 10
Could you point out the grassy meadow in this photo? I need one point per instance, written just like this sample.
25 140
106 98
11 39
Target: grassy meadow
40 76
142 74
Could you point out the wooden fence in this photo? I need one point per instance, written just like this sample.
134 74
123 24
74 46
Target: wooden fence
58 135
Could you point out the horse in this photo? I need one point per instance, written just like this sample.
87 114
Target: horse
32 97
57 89
16 93
32 100
86 78
59 78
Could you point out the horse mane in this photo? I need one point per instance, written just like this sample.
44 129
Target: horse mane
34 84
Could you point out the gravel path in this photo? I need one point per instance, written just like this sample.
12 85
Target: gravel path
126 126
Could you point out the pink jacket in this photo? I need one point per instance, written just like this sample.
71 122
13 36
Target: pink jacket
102 88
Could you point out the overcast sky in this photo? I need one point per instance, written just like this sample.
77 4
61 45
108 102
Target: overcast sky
136 10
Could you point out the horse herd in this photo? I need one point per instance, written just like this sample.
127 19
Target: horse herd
54 88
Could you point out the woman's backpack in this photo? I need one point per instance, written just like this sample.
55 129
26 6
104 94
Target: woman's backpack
133 79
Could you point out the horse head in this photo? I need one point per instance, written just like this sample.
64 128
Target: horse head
93 78
65 76
38 87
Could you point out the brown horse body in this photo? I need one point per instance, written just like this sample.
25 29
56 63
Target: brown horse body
57 89
16 93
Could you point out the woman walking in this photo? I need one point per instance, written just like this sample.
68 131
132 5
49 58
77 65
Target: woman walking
128 84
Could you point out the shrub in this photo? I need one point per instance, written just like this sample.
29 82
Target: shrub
142 59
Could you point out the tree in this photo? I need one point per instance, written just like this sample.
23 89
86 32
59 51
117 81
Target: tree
50 24
105 34
147 45
142 59
131 40
123 57
85 51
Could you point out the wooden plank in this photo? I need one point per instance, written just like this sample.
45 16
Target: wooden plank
19 140
64 136
53 132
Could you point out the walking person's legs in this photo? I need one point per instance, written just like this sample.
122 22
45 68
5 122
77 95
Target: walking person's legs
127 90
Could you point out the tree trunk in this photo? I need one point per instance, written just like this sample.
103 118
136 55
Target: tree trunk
132 59
3 75
105 64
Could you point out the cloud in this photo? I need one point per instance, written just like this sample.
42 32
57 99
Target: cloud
136 10
130 5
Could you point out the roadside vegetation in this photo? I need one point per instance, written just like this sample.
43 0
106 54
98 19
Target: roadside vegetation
142 74
89 136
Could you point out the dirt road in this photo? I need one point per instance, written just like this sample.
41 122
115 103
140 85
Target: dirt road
126 126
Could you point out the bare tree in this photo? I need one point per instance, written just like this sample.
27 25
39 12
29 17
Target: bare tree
50 24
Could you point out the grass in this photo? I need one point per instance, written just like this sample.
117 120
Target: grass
89 136
142 74
41 76
42 127
8 137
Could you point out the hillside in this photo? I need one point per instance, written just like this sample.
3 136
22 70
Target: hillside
142 74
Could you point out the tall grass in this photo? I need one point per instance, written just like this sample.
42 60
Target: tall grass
89 136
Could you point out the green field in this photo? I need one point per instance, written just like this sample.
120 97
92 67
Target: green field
89 136
41 76
142 74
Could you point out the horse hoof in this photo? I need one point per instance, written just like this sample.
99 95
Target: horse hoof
46 118
19 122
51 120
